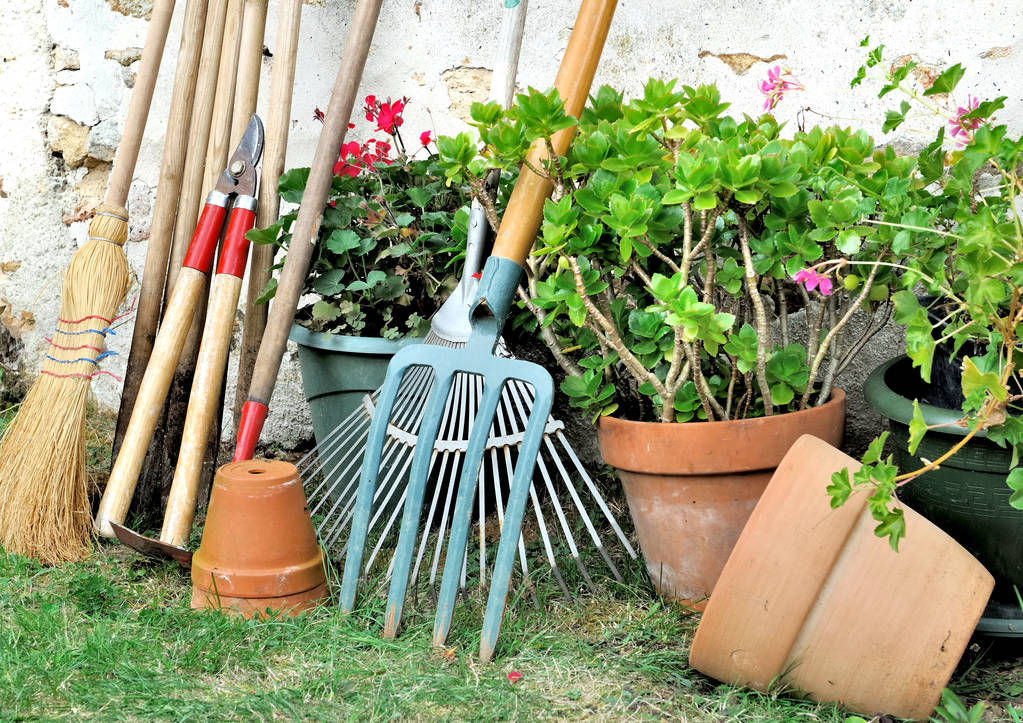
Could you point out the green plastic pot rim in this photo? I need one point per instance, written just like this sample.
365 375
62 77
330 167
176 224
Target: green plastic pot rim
898 408
350 344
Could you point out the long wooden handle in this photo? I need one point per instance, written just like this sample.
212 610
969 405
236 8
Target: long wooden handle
219 147
524 212
292 279
278 122
509 45
161 230
202 408
138 109
149 403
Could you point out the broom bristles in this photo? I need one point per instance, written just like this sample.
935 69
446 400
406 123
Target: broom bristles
44 502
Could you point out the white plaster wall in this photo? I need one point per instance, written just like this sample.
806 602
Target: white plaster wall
416 42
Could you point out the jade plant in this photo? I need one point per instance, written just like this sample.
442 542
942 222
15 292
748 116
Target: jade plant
671 279
391 234
957 240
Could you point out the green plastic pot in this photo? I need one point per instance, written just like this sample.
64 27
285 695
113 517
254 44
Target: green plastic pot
338 371
967 496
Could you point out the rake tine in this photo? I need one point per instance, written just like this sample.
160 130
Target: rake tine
398 507
463 511
367 482
596 495
500 524
429 519
515 394
520 485
432 413
444 520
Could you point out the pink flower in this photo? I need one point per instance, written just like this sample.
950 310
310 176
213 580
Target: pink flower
424 138
779 82
964 127
514 677
812 280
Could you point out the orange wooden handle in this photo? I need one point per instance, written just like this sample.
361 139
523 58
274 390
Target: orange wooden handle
525 207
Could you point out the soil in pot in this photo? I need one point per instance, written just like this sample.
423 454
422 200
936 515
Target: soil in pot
691 487
967 497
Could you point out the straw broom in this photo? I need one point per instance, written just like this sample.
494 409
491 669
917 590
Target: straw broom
44 500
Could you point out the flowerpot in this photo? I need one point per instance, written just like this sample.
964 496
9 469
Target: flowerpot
813 601
258 549
691 487
967 496
338 371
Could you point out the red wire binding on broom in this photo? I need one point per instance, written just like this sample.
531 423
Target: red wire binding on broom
72 348
81 376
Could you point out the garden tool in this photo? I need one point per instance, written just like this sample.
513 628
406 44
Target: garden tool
239 181
44 505
282 82
161 230
501 276
331 470
303 238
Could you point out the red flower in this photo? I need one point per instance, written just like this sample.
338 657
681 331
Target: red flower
389 118
514 677
342 167
371 107
424 138
318 115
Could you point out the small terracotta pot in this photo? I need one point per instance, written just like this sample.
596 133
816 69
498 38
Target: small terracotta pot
691 487
813 601
258 550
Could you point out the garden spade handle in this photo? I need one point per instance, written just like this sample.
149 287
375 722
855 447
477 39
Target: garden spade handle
524 212
303 241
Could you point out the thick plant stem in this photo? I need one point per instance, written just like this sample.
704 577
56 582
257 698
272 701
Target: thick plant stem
835 329
763 330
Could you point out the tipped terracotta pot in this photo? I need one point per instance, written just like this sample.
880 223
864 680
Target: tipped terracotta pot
259 552
692 486
813 601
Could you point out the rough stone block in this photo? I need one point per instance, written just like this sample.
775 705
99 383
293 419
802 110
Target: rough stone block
65 58
68 138
103 140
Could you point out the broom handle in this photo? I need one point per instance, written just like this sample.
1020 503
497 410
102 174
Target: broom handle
524 212
303 241
282 82
161 230
138 110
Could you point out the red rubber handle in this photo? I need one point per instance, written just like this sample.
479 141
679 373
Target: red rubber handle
204 241
249 429
234 255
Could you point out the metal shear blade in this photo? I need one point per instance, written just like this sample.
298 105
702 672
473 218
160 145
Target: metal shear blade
240 175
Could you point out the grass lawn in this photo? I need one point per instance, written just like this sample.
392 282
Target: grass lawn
113 638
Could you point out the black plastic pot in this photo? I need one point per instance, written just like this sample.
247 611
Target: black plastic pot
967 496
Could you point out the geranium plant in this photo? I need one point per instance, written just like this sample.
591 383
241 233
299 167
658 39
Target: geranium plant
671 277
391 230
960 242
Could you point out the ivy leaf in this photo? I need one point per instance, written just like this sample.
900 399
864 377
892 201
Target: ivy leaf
893 119
873 453
1015 482
893 527
917 428
977 382
840 488
947 81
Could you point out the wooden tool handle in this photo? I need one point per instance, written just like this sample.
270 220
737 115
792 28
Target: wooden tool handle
162 228
149 403
296 265
524 212
138 109
202 408
278 122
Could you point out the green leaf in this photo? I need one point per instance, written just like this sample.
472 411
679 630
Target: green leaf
782 394
977 382
893 119
1015 482
840 488
675 196
947 81
917 428
745 195
875 448
893 527
342 240
705 201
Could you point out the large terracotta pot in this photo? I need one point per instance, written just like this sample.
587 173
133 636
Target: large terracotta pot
259 551
813 602
691 487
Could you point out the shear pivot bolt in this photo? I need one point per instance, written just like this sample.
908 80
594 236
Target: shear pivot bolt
237 167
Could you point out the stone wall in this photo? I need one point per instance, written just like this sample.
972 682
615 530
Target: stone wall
68 67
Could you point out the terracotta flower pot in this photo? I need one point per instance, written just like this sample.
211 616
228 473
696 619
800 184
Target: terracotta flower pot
258 550
812 600
691 487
